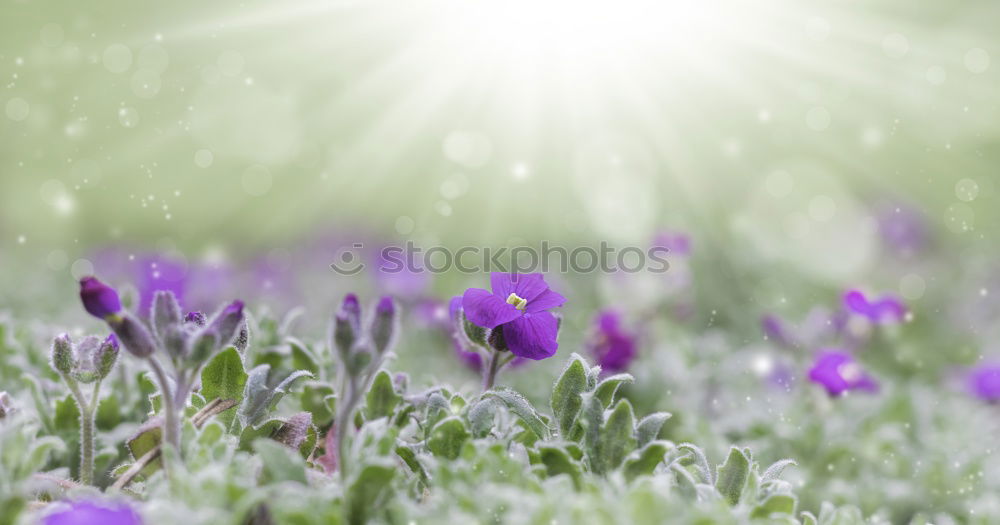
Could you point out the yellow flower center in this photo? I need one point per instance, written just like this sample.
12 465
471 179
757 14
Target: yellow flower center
519 302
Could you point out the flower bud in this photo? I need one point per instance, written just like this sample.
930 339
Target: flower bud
226 324
474 333
85 365
203 347
496 340
196 318
242 340
166 311
133 335
384 324
346 326
99 299
63 360
107 356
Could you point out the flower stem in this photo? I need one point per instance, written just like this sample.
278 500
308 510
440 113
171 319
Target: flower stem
171 418
490 374
86 428
343 420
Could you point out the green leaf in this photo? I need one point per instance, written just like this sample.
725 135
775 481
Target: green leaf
224 378
773 472
520 406
481 416
557 461
146 438
437 409
608 387
732 476
649 427
314 400
565 400
645 460
410 458
266 429
775 504
590 421
617 437
382 398
367 491
109 414
302 357
280 463
447 438
700 461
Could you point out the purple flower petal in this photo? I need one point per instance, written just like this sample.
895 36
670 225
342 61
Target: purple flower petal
88 513
544 301
487 310
613 348
99 299
983 383
838 372
527 286
532 335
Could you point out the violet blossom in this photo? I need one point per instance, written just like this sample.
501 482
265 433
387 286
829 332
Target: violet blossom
838 372
885 309
518 306
91 513
983 382
612 346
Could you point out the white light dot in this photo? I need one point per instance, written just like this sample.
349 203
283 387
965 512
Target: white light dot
520 171
966 190
21 239
145 83
256 180
895 45
872 137
203 158
404 225
977 60
818 118
117 58
128 117
912 286
81 268
17 109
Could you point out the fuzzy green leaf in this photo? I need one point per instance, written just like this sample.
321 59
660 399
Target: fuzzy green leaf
608 387
520 406
649 427
732 476
617 438
382 398
447 438
565 400
643 462
224 378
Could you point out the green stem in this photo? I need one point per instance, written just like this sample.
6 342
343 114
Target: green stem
86 429
490 375
171 418
343 420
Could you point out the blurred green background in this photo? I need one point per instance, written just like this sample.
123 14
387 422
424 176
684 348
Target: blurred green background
769 129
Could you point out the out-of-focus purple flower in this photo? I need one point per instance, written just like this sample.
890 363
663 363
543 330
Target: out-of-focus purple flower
346 326
398 273
838 372
983 382
775 330
431 313
159 272
384 324
92 513
610 344
885 309
518 305
99 299
903 229
676 243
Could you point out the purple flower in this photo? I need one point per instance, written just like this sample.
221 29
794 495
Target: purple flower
838 372
885 309
158 272
775 330
99 299
518 305
675 242
983 382
613 347
383 329
90 513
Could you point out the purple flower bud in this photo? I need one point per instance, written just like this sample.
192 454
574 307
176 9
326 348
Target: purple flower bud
85 512
838 372
346 326
384 324
166 311
99 299
227 323
196 318
983 382
107 355
133 335
63 360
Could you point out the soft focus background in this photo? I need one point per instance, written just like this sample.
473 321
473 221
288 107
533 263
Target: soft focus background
803 147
